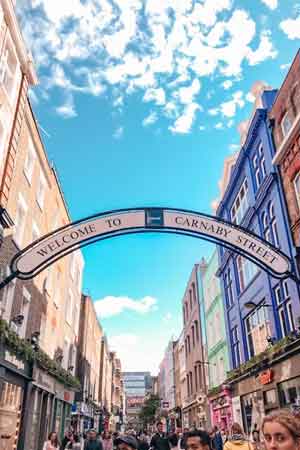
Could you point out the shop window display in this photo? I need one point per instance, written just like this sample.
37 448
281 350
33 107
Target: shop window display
289 392
10 415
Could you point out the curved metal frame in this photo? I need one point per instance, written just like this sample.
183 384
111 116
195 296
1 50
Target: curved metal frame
161 228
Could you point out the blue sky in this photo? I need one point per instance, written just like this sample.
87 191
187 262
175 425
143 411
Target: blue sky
139 103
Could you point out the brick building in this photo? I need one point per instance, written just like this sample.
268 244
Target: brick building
86 415
195 409
285 114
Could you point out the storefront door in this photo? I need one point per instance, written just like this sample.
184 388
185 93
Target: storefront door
11 398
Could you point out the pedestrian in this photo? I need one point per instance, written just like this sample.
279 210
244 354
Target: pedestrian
127 442
281 431
107 442
66 439
143 441
173 441
217 439
74 442
52 442
182 438
256 442
91 442
237 440
159 440
197 440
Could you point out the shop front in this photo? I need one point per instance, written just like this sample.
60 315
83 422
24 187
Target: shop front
14 382
221 409
259 392
49 409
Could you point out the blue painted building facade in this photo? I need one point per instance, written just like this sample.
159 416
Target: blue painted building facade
254 199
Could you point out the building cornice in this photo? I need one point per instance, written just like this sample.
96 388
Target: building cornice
24 56
279 155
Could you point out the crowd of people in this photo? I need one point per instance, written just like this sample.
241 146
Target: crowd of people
279 431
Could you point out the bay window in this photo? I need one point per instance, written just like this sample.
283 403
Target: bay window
240 205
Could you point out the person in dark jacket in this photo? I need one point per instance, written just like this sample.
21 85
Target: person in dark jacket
92 443
127 442
217 439
159 440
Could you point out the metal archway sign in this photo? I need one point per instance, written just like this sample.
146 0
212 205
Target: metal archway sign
30 261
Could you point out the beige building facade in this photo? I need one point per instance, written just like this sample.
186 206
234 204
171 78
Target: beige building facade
195 402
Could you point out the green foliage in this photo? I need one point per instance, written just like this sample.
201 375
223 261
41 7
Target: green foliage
148 411
24 352
266 356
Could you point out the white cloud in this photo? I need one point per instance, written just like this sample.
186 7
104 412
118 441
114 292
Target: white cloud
219 126
213 111
230 123
162 50
227 84
67 109
264 51
250 97
272 4
186 94
228 109
234 147
111 306
149 120
137 353
168 316
284 66
291 27
183 123
118 133
202 128
156 95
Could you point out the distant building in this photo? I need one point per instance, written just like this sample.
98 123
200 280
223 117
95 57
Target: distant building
217 347
166 386
136 386
195 407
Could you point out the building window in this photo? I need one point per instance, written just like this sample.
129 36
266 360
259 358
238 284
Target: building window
240 204
284 308
30 160
196 378
8 70
20 220
69 308
296 183
197 330
8 296
228 288
189 344
26 297
72 265
191 299
191 381
193 335
246 270
286 124
194 292
257 330
35 232
259 166
236 356
270 230
41 191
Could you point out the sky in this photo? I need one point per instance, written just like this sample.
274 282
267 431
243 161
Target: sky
139 103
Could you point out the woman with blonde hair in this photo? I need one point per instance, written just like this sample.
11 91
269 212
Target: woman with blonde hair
281 431
237 440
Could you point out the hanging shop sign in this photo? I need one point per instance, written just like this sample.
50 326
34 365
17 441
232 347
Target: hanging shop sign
266 377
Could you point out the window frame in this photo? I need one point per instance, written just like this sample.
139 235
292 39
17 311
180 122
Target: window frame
241 204
284 117
28 169
41 190
18 235
296 191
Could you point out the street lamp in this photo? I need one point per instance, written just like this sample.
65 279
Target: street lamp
251 305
